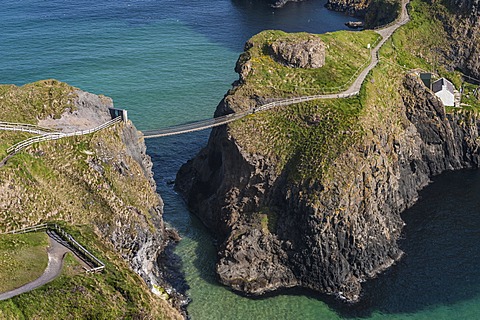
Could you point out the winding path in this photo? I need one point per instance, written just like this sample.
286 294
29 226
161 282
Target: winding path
354 89
56 253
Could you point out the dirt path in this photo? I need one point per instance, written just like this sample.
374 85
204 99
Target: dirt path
56 253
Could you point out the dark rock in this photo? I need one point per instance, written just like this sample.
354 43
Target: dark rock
351 7
347 235
354 24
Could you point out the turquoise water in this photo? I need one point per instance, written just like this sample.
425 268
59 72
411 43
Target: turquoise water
170 62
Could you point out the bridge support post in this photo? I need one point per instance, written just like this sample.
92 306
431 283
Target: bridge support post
125 116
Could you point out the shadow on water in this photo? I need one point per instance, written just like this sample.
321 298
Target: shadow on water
440 266
440 240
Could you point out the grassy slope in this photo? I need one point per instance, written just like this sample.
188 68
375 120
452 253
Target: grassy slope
298 134
117 293
345 51
23 258
306 139
78 181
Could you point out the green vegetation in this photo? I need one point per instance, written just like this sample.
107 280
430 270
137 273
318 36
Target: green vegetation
303 138
34 101
471 97
346 52
23 258
91 185
421 45
28 103
117 293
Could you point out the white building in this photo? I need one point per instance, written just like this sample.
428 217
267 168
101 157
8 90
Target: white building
445 90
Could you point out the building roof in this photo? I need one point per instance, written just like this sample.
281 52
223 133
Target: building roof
440 83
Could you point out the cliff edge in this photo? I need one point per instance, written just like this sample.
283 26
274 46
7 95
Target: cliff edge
311 194
99 186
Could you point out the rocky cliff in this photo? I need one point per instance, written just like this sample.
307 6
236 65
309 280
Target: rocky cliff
103 180
352 7
462 25
332 221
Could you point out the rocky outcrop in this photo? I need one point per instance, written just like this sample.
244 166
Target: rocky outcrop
462 26
308 53
139 243
104 180
280 3
331 234
351 7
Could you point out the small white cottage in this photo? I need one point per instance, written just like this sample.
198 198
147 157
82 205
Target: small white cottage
445 90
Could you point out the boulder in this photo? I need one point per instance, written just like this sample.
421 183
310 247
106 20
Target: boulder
309 53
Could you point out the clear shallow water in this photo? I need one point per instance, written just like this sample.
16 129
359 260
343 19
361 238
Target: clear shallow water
170 62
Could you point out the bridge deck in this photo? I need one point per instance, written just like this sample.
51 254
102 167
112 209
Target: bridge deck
386 32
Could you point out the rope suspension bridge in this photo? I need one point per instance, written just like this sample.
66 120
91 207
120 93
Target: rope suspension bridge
45 134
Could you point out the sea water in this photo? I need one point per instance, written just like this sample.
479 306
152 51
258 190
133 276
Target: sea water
170 62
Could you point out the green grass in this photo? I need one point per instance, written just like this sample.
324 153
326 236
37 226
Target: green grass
23 258
471 97
346 52
117 293
76 181
303 138
38 100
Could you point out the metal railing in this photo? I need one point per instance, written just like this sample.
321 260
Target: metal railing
36 228
98 265
77 246
58 135
24 127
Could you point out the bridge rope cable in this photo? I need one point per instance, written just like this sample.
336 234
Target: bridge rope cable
355 82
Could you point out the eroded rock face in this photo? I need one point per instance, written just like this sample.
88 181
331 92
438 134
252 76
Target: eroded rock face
309 53
352 7
463 28
349 232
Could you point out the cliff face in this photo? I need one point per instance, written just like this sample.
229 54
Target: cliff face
462 24
137 233
352 7
338 225
328 235
103 180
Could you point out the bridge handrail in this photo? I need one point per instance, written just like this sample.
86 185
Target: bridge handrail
58 135
67 237
26 125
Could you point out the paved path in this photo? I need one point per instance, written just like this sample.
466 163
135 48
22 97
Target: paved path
56 253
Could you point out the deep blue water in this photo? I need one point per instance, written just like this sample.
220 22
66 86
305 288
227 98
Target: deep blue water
170 62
